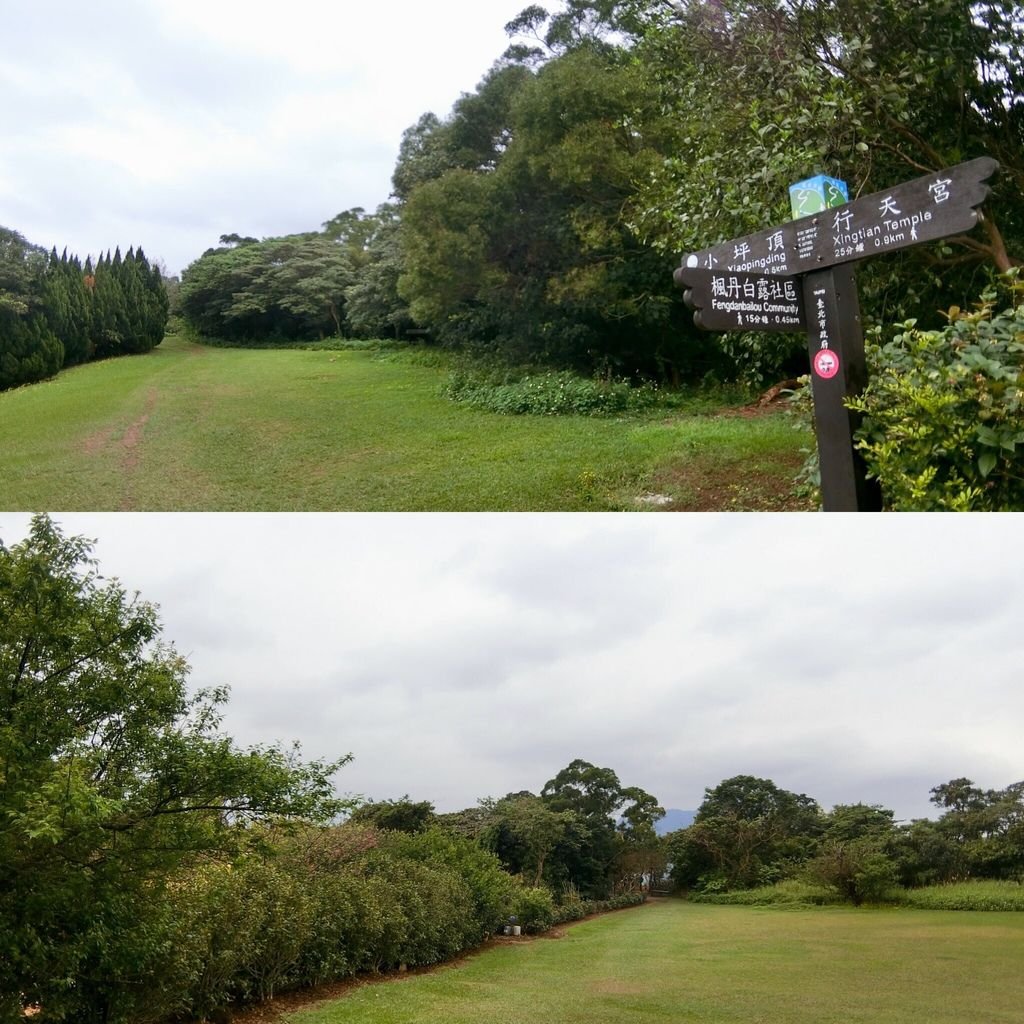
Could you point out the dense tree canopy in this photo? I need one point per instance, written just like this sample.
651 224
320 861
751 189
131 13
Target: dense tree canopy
514 220
541 219
401 815
746 831
299 287
767 92
111 775
55 312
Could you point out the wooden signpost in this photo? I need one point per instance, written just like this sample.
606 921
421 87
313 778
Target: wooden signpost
799 276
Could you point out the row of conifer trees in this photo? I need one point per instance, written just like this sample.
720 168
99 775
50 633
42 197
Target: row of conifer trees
59 311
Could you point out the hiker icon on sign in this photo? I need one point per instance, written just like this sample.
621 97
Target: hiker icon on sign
826 363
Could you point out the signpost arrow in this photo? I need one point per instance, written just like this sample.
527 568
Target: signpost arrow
729 301
928 208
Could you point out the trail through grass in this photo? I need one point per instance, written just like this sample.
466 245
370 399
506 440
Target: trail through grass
681 962
193 428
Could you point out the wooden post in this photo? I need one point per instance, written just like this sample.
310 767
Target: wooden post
835 344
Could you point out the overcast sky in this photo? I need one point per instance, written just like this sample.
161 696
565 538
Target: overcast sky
166 125
456 656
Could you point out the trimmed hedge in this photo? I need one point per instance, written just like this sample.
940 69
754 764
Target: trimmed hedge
298 910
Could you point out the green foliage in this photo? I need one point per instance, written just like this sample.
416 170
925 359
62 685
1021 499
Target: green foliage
982 830
859 869
372 303
29 350
534 909
790 892
588 857
492 889
299 287
943 415
746 832
764 94
111 777
401 815
291 287
549 393
871 91
524 831
54 312
428 912
514 231
977 895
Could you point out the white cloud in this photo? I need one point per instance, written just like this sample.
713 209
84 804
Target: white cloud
167 125
465 656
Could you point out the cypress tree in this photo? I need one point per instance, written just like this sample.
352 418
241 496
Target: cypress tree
29 350
105 337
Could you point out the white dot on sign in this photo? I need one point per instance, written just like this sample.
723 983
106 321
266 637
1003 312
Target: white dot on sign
691 261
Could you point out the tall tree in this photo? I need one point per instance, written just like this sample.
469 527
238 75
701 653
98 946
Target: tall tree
29 349
373 306
767 92
524 831
519 237
747 831
111 777
401 815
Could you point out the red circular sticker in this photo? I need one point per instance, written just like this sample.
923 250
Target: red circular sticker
826 363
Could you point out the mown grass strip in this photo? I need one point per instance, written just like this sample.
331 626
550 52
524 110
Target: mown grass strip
196 428
682 962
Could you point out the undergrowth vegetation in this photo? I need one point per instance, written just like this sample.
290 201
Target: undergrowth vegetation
787 893
981 894
516 391
548 393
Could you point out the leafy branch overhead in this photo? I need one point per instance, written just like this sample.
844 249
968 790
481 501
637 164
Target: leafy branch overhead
111 775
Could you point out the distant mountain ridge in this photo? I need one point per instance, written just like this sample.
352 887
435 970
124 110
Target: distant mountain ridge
674 819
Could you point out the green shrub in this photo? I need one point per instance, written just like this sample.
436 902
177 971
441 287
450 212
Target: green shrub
548 393
571 906
980 895
858 869
332 344
786 893
428 910
943 413
215 937
338 940
534 909
283 909
492 889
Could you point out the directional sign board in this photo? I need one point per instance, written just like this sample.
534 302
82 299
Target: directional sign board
725 300
928 208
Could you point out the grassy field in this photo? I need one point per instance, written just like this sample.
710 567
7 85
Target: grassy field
188 427
678 962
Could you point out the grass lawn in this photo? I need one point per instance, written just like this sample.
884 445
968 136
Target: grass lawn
672 961
188 427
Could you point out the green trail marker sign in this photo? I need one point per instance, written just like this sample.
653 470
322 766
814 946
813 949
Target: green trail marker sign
817 194
814 256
